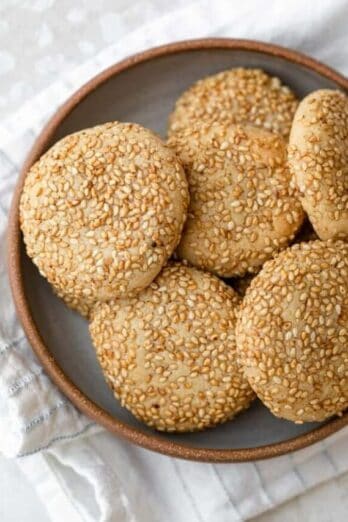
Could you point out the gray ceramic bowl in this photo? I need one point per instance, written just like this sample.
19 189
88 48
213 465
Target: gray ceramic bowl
143 89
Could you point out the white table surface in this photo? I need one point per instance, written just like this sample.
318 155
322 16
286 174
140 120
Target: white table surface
53 36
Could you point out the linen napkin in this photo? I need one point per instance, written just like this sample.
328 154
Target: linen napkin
80 471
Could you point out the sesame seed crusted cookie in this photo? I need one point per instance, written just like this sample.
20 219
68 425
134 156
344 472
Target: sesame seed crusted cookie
318 158
169 353
242 96
102 210
242 208
292 332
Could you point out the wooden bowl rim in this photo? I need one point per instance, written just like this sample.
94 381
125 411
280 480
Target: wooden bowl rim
144 439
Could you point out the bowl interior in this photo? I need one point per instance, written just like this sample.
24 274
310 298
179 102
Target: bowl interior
145 93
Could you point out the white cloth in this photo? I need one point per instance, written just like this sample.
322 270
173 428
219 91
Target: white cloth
93 475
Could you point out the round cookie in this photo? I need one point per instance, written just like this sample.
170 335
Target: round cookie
102 210
292 332
242 96
169 353
318 158
242 208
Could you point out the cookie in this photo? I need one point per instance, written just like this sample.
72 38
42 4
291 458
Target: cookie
169 353
292 332
318 158
242 208
101 212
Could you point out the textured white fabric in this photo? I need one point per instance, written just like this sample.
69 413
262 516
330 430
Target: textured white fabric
100 477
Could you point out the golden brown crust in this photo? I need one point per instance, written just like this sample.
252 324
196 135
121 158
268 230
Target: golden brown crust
292 332
236 96
318 158
242 208
102 211
169 354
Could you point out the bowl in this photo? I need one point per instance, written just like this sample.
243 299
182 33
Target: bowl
143 89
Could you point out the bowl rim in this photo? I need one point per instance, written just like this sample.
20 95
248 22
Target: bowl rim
151 441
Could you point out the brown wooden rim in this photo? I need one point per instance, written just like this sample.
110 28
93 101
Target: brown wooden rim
137 436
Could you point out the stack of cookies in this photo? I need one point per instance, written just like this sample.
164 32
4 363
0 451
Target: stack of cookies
212 268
